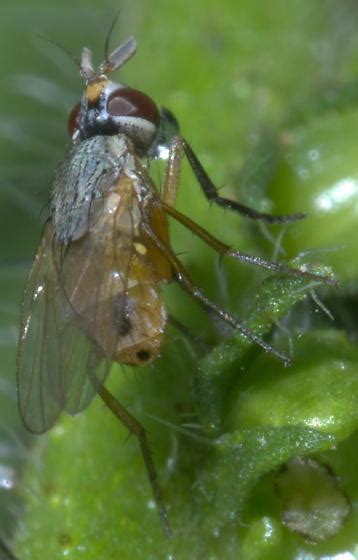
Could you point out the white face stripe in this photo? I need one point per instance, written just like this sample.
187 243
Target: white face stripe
137 128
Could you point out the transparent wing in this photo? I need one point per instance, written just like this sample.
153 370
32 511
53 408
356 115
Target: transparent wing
86 303
82 358
40 391
55 355
110 287
93 284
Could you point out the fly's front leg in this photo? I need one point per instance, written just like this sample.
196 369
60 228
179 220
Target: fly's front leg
212 194
183 278
172 173
138 431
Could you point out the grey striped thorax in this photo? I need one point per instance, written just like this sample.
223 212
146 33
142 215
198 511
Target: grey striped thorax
87 173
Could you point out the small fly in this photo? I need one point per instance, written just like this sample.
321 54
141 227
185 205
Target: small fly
93 295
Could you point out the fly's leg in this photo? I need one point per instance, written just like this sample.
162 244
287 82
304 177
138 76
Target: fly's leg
168 198
183 278
172 172
138 431
224 249
212 194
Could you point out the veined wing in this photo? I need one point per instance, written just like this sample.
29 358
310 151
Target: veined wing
55 356
86 303
110 284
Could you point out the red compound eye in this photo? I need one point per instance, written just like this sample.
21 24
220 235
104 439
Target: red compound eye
73 119
127 102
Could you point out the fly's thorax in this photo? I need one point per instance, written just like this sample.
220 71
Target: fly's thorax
89 171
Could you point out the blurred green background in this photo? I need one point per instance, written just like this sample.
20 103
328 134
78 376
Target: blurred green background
267 94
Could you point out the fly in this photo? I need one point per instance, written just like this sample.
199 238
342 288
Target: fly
93 295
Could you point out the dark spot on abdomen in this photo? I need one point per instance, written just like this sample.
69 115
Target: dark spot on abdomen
121 310
143 355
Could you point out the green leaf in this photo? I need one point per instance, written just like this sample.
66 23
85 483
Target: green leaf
242 457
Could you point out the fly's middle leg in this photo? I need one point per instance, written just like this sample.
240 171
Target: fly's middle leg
225 250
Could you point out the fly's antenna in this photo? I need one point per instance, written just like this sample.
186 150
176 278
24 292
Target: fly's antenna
119 56
86 68
112 61
62 48
109 35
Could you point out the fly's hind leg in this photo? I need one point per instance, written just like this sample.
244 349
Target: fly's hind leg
138 431
183 278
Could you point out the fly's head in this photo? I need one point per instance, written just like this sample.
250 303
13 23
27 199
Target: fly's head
110 108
